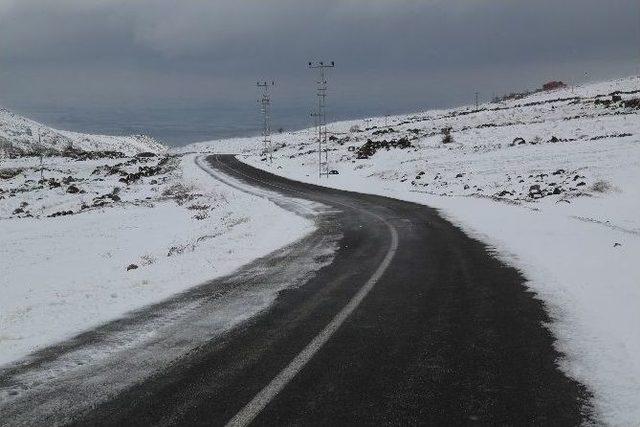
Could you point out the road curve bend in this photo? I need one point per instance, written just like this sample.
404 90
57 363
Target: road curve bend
413 322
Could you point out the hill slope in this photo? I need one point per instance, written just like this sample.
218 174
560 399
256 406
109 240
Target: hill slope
19 136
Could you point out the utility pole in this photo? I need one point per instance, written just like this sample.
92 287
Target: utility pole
265 108
321 115
41 149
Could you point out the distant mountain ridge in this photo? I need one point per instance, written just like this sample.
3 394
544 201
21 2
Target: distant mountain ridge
22 136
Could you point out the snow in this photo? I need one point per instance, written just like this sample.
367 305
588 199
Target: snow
65 274
576 238
19 134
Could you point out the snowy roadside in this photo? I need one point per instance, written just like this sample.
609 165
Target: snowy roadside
548 182
140 244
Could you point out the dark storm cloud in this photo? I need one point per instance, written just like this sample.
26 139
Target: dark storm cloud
397 51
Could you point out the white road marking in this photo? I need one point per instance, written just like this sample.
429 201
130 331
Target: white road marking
268 393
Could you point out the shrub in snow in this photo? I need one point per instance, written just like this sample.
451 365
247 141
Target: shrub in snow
180 192
147 259
601 187
632 103
447 138
201 215
198 207
9 173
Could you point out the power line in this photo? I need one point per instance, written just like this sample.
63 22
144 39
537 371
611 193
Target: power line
265 108
321 115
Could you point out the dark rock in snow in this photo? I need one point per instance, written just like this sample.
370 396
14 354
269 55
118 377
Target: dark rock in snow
131 267
68 180
60 213
632 103
535 192
72 189
370 147
53 183
146 154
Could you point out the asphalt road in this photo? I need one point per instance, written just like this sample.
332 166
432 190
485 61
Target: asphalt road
412 323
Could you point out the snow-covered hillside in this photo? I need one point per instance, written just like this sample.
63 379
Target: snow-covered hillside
19 136
84 241
551 182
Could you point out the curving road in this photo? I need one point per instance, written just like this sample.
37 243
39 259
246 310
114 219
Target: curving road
412 322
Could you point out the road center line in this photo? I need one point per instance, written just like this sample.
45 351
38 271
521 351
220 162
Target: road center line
268 393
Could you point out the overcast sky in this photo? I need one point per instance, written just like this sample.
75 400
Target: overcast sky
390 54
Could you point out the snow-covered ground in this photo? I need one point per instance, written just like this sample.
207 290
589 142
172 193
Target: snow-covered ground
98 238
550 181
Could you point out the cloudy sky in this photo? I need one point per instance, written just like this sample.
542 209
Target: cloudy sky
391 55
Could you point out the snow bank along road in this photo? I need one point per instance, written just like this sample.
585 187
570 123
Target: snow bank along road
412 321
